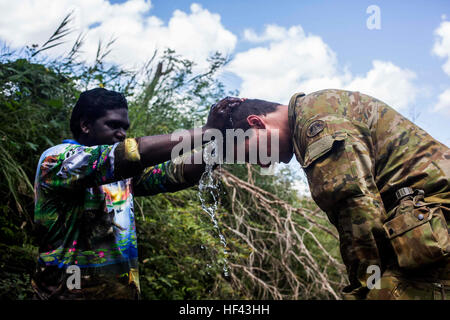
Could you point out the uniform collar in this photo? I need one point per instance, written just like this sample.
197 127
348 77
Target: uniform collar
291 109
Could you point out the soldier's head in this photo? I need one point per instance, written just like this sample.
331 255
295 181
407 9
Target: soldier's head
99 117
264 118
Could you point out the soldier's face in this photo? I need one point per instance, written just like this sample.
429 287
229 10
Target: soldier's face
269 145
109 129
269 140
255 148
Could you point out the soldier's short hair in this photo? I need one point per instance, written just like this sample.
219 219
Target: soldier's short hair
258 107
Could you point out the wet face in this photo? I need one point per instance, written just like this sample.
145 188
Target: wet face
270 139
271 143
109 129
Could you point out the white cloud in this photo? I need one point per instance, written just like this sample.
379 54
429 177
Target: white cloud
389 83
274 72
443 104
272 32
195 35
292 61
442 44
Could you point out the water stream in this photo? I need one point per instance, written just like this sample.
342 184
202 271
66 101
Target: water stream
209 187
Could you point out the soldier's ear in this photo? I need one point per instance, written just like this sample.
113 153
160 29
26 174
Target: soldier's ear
256 122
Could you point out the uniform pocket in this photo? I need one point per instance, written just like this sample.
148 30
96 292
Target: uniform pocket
418 233
321 147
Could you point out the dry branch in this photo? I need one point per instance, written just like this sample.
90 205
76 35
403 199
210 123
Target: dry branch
287 259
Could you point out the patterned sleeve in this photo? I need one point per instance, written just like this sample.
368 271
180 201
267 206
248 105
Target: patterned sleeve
168 176
163 177
76 166
336 155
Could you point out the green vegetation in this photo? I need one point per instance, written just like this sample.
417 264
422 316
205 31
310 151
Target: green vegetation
279 246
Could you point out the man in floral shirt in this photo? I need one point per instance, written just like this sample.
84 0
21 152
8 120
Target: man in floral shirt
84 192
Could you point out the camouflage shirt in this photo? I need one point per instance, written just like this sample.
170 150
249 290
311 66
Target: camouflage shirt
357 152
84 211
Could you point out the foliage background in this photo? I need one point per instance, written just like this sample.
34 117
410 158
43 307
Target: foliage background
279 246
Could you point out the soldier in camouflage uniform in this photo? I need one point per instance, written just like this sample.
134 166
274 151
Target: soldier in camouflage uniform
383 182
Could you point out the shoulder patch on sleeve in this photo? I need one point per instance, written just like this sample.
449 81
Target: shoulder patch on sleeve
315 127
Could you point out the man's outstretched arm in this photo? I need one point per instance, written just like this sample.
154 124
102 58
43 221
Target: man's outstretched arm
157 149
170 176
76 166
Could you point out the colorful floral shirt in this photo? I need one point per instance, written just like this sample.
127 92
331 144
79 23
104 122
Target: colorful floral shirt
84 209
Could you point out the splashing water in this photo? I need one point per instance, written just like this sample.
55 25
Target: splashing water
209 186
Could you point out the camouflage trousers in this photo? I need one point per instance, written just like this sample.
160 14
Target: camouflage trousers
397 285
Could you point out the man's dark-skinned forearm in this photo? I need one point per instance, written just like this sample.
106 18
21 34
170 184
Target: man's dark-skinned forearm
157 149
170 176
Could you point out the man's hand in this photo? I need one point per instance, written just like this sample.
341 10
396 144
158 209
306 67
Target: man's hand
220 114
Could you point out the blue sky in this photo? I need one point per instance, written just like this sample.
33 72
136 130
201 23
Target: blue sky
406 37
275 47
